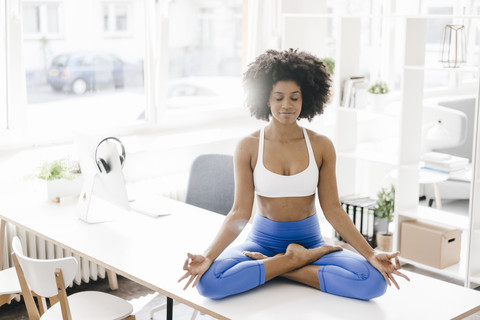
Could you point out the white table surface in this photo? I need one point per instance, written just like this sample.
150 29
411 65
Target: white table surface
151 251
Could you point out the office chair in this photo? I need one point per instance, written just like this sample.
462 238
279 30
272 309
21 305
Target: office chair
211 183
211 186
49 278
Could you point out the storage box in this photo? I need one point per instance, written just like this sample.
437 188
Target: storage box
432 245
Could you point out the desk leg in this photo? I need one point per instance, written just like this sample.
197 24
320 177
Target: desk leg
169 308
3 226
112 280
438 199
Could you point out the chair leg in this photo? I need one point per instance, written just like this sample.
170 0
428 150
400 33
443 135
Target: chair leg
62 295
430 202
159 307
5 298
194 314
42 303
27 294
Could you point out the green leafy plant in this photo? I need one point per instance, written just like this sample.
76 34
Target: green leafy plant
58 169
330 64
379 87
385 205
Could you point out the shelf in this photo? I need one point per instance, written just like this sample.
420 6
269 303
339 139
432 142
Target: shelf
475 279
436 216
456 271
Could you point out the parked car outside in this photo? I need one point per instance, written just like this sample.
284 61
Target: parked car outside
80 72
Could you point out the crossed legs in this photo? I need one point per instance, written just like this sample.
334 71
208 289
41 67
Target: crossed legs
296 264
326 268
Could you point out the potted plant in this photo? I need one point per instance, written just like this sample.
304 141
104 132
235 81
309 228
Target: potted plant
63 178
378 91
385 206
330 64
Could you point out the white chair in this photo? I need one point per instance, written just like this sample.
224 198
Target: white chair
49 278
457 120
9 285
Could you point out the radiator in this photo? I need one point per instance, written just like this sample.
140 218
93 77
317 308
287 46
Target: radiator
35 247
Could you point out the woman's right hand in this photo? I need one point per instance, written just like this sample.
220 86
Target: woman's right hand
195 266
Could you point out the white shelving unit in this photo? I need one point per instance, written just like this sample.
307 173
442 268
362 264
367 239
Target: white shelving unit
407 208
354 157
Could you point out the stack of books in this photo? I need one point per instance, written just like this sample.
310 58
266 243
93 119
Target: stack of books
355 92
443 162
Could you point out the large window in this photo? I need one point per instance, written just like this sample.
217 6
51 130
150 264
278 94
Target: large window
205 53
117 63
89 77
85 62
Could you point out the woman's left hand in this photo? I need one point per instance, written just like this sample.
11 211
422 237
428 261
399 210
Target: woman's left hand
383 263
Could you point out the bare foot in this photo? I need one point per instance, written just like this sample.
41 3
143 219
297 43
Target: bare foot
255 255
308 256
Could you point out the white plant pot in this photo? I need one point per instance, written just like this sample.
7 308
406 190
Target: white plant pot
378 102
60 188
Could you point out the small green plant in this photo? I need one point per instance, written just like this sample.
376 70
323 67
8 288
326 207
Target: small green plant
330 64
386 204
58 169
379 87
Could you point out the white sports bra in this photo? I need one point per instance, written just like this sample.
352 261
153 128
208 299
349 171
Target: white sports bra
273 185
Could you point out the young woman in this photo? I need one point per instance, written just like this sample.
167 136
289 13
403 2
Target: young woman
284 165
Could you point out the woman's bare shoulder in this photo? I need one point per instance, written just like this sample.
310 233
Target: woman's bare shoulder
250 142
319 140
247 149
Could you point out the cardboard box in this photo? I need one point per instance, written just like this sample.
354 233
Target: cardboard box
432 245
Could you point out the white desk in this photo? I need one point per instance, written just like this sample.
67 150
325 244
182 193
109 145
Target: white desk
151 251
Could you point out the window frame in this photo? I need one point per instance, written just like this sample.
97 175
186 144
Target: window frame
44 33
3 71
112 19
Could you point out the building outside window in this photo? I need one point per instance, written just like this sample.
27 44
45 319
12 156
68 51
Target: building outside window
41 19
116 18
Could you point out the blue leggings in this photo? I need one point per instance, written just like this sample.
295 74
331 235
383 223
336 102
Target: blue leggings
342 273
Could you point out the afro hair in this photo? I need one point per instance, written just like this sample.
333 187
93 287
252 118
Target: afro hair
308 71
